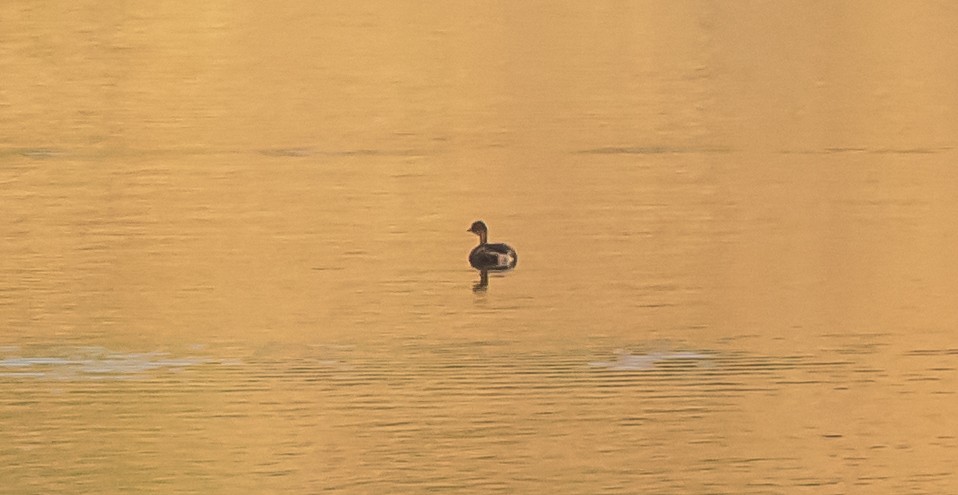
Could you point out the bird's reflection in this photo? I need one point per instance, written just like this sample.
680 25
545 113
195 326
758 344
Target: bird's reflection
483 284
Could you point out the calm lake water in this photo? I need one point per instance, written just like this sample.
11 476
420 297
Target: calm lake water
233 248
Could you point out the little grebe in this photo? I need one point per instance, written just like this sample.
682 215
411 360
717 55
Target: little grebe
487 256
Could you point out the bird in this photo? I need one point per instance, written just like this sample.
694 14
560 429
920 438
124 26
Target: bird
485 256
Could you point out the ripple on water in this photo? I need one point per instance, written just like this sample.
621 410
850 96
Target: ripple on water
92 363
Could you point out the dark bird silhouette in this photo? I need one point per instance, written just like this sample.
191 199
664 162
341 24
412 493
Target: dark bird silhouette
485 256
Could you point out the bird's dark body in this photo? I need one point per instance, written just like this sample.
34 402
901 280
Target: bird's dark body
493 257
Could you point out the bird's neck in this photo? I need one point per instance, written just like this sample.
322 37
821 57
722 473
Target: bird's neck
482 237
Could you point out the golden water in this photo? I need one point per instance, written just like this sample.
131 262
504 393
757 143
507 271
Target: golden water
233 247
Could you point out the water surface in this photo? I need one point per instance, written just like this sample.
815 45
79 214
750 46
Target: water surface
233 248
